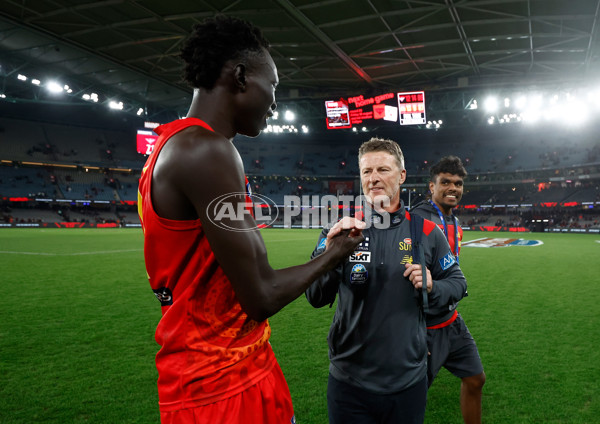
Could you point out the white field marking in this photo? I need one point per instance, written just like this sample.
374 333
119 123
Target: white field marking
286 240
99 252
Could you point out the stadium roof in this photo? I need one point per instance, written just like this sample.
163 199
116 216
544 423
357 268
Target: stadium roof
128 49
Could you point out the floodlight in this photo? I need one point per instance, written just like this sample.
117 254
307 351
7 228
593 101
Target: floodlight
54 87
22 77
115 105
491 104
289 115
521 102
36 81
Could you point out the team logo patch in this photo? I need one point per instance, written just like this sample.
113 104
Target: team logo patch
447 261
501 242
322 243
360 257
403 245
164 296
359 274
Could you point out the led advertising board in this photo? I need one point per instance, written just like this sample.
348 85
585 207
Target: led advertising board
403 108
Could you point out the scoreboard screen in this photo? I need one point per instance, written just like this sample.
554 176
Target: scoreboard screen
412 107
145 141
403 108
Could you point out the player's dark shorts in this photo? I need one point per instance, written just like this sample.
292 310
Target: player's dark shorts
453 348
347 404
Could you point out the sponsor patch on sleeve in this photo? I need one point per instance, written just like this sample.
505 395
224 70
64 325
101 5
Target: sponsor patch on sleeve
322 243
447 261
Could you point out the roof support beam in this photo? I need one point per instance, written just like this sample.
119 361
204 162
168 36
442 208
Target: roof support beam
306 23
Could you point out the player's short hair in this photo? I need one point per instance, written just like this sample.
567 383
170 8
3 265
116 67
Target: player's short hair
215 41
449 165
376 144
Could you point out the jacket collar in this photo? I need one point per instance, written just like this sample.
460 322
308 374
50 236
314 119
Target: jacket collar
375 217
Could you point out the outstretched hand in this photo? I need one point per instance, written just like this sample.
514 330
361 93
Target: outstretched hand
346 223
344 236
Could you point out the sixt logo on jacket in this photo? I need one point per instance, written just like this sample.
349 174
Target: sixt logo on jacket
447 261
360 257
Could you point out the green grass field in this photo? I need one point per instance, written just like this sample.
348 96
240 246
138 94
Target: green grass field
78 319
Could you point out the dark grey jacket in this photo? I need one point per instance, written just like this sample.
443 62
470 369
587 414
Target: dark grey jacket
427 211
377 340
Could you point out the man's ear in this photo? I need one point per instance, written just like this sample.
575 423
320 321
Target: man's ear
402 176
239 74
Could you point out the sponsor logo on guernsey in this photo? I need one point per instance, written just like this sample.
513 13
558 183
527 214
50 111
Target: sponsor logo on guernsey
363 246
360 257
359 274
447 261
322 243
405 245
164 296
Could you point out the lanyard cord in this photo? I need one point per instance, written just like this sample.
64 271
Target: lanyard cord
441 215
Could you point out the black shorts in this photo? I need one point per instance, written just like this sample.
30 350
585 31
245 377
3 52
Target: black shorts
453 348
350 404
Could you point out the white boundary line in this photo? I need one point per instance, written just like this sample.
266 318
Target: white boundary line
99 252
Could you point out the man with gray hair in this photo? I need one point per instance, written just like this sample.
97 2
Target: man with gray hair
377 341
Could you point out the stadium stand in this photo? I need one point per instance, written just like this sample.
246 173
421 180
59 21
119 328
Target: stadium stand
515 175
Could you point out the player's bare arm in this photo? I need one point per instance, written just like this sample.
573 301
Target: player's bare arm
204 166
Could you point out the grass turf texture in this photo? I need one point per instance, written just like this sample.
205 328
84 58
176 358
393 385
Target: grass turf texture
78 319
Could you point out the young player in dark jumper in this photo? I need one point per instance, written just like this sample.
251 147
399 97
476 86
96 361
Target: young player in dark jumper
449 341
